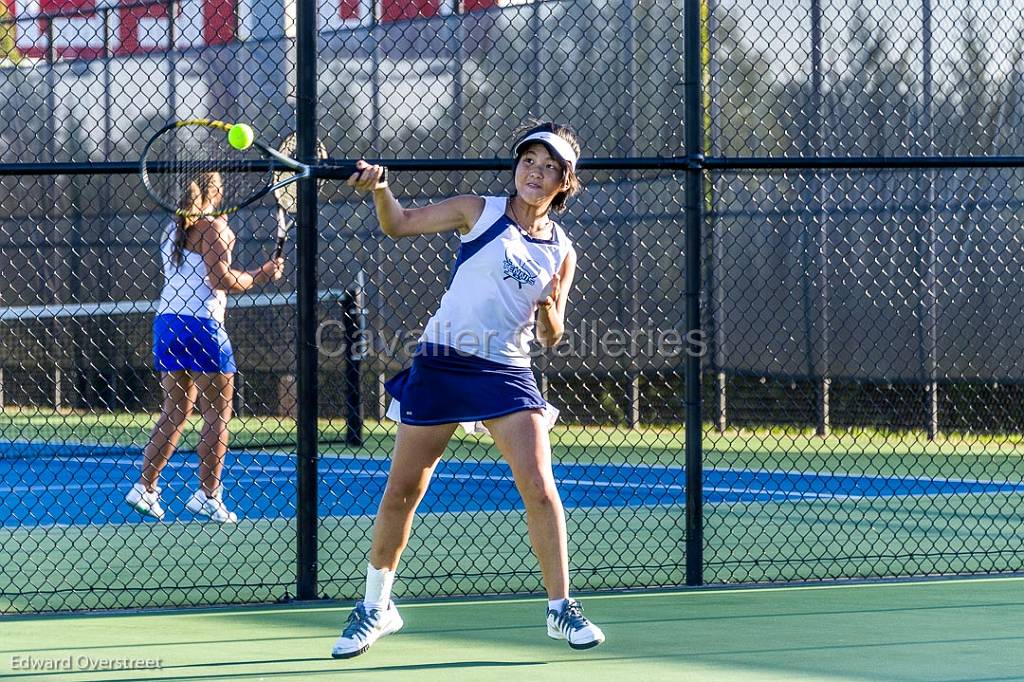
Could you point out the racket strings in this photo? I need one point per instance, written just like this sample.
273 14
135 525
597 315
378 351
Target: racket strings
287 196
187 160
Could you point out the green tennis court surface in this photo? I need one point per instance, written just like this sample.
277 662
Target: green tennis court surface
938 630
749 539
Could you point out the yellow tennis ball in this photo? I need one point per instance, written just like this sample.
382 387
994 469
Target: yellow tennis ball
240 136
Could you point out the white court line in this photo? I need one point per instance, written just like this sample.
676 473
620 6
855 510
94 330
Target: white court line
89 308
832 474
44 488
622 465
378 474
779 472
772 495
291 469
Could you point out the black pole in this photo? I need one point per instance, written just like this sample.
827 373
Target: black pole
628 147
820 364
535 67
108 55
306 274
694 197
929 312
172 60
355 337
716 292
458 92
52 200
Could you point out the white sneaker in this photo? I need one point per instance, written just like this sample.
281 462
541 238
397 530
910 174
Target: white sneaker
212 508
364 627
570 624
145 502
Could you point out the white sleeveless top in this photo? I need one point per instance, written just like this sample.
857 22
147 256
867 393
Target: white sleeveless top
186 288
499 276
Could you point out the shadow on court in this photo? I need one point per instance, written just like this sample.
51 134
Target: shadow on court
342 669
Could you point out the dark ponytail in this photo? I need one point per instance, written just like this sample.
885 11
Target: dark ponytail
180 233
198 193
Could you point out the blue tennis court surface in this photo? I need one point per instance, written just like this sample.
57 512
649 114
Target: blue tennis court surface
61 484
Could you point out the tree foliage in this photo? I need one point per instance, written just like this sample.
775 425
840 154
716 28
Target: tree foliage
9 52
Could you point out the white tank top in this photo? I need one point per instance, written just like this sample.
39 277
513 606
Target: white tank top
186 288
499 275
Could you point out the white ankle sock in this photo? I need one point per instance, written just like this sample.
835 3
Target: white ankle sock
378 587
556 604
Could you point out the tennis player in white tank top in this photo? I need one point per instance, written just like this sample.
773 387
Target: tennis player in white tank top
192 351
513 274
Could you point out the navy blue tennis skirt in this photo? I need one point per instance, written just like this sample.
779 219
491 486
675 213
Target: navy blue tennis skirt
446 386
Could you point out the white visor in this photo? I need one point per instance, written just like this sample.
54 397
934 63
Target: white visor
562 149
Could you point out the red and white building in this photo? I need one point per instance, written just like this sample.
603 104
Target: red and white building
139 26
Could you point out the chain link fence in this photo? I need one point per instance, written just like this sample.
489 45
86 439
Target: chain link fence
839 179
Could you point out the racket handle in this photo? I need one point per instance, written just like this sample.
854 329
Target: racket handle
282 231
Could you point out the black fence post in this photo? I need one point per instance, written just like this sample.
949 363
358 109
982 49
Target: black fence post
819 333
172 59
929 312
694 198
355 339
716 233
306 267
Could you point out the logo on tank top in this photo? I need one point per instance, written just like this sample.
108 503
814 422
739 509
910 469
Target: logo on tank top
517 271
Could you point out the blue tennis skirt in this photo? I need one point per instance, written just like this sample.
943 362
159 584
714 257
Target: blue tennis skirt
446 386
197 344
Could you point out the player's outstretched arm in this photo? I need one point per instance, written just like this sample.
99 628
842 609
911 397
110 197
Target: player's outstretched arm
457 213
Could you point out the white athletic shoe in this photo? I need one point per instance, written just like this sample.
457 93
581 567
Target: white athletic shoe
145 502
571 625
211 508
364 627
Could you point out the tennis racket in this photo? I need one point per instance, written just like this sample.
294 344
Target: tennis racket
178 154
286 191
